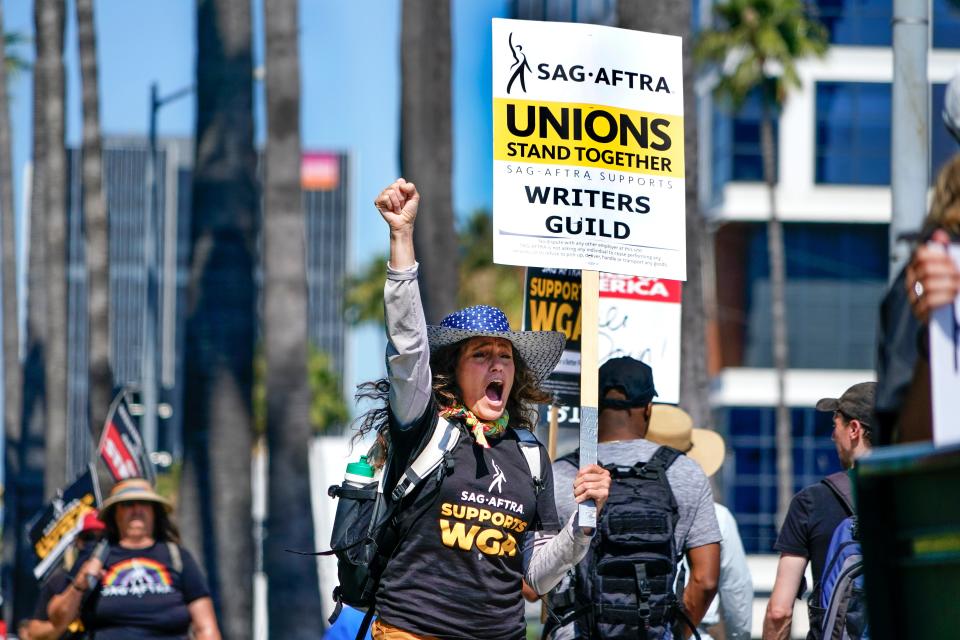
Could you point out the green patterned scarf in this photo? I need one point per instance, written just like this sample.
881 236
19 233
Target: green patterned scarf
481 430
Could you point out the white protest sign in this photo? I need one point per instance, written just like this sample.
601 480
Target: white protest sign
945 368
640 318
588 149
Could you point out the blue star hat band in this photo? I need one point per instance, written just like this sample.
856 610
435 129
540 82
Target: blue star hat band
540 350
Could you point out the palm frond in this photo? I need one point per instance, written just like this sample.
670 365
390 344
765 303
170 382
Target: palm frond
13 61
750 34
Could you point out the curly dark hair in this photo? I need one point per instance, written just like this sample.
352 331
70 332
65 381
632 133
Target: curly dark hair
524 395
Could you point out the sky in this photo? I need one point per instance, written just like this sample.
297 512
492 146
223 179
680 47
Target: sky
350 66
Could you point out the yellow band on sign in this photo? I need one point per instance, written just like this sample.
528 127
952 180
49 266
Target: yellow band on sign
587 135
67 521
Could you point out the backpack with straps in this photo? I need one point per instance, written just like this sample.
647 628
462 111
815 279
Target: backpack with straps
627 586
366 530
838 603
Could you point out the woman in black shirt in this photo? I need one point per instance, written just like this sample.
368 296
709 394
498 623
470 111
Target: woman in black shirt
142 584
457 571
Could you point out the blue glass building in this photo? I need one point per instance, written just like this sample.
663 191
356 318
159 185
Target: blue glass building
833 141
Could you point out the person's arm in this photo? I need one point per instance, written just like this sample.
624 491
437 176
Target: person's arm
779 616
554 554
203 621
45 630
736 586
398 205
408 352
704 564
64 608
528 593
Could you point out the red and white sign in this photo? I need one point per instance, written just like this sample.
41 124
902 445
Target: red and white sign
640 318
117 456
120 445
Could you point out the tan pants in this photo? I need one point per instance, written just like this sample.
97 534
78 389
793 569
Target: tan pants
384 631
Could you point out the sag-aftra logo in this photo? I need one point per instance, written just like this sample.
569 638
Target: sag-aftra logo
520 67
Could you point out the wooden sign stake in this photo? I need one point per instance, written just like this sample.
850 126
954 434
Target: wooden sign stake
554 429
589 316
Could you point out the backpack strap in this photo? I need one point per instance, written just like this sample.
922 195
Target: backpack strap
839 484
530 448
176 559
365 623
661 460
444 438
572 458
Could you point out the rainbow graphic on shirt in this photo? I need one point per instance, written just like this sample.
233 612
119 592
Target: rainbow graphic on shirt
137 577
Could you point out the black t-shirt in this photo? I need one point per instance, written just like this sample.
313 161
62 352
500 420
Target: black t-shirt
457 573
142 595
814 514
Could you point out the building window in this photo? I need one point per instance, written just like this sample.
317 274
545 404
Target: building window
749 476
853 133
867 22
946 24
854 136
856 22
737 137
836 277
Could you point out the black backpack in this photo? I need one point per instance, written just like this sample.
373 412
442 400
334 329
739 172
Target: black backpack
627 586
369 523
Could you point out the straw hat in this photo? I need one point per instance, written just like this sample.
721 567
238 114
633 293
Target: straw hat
540 350
131 490
673 427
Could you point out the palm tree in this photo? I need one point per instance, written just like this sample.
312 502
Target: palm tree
50 16
11 336
215 490
42 424
673 17
329 412
753 38
426 145
12 374
480 281
13 62
292 581
95 223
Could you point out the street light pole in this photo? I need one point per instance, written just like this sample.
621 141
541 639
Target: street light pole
149 390
910 153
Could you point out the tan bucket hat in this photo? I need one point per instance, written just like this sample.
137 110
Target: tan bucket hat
131 490
673 427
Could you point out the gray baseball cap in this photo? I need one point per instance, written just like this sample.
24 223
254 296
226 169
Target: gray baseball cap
856 402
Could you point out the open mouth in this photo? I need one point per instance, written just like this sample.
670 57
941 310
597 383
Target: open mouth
494 391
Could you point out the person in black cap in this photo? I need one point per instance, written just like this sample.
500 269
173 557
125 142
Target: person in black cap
816 510
852 421
626 393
